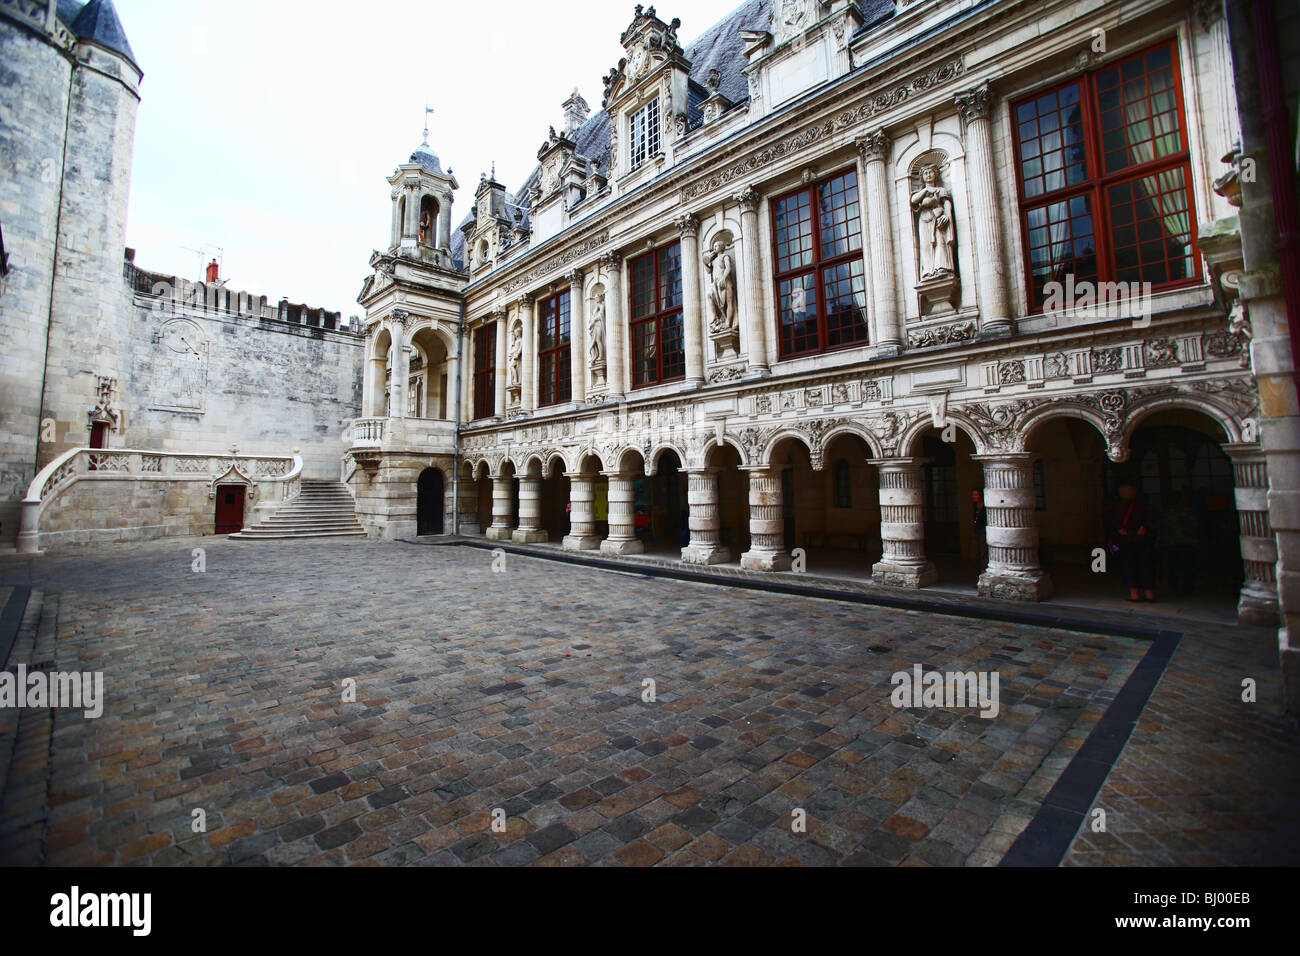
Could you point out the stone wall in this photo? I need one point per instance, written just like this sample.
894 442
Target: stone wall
34 78
127 509
198 381
387 498
87 328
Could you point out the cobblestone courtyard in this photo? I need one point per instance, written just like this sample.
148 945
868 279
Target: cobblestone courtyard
522 691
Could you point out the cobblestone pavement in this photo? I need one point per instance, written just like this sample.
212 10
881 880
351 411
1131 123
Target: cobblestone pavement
522 692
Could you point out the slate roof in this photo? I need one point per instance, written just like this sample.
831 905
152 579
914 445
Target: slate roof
98 22
718 48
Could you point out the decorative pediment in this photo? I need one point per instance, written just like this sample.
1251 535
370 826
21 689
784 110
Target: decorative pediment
650 43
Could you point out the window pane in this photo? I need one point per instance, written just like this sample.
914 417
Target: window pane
546 331
673 342
562 319
1050 131
840 225
794 236
1139 111
563 376
798 315
846 303
1061 242
1153 230
645 361
643 286
546 381
670 276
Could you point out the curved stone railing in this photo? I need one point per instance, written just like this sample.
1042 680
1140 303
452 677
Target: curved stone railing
272 479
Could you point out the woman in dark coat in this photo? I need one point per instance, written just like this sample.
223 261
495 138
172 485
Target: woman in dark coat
1131 531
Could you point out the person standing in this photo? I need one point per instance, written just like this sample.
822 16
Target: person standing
979 530
1132 539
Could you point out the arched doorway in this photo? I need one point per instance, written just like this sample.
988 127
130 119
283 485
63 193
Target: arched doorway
430 507
1185 478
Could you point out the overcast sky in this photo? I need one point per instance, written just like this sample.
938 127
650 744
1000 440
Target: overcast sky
268 127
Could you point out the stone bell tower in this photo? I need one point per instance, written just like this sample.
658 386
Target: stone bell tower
422 199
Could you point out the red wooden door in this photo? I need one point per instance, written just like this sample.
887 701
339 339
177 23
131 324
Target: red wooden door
230 508
99 435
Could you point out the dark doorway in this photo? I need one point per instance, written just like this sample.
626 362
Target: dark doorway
661 505
1187 481
939 482
99 435
230 509
430 507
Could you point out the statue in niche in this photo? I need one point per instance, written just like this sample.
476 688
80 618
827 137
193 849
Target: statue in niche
426 226
516 353
596 333
722 286
935 230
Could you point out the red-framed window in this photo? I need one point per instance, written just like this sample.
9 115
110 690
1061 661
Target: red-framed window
1104 175
485 380
554 385
820 283
658 339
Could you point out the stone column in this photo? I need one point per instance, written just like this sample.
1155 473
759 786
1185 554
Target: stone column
444 224
530 511
368 381
409 226
528 362
692 305
1258 601
401 367
467 497
582 515
578 337
622 520
615 328
499 372
766 522
902 526
704 518
397 219
981 183
503 508
757 314
887 334
1013 572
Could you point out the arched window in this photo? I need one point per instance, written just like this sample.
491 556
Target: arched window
428 221
843 484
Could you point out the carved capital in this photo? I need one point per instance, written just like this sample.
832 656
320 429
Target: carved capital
611 260
687 225
748 199
577 279
975 104
400 317
524 302
874 146
499 312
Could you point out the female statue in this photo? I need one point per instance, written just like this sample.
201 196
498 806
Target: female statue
934 224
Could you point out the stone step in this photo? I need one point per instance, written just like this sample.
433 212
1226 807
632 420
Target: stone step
323 509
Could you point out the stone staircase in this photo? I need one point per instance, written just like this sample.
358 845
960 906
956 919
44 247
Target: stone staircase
324 509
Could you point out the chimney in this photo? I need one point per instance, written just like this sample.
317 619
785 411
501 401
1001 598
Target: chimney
213 270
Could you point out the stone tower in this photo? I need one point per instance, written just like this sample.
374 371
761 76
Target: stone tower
68 98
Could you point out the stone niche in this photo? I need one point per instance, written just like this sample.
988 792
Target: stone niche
934 235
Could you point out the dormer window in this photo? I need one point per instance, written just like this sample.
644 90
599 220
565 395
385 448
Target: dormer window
644 134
